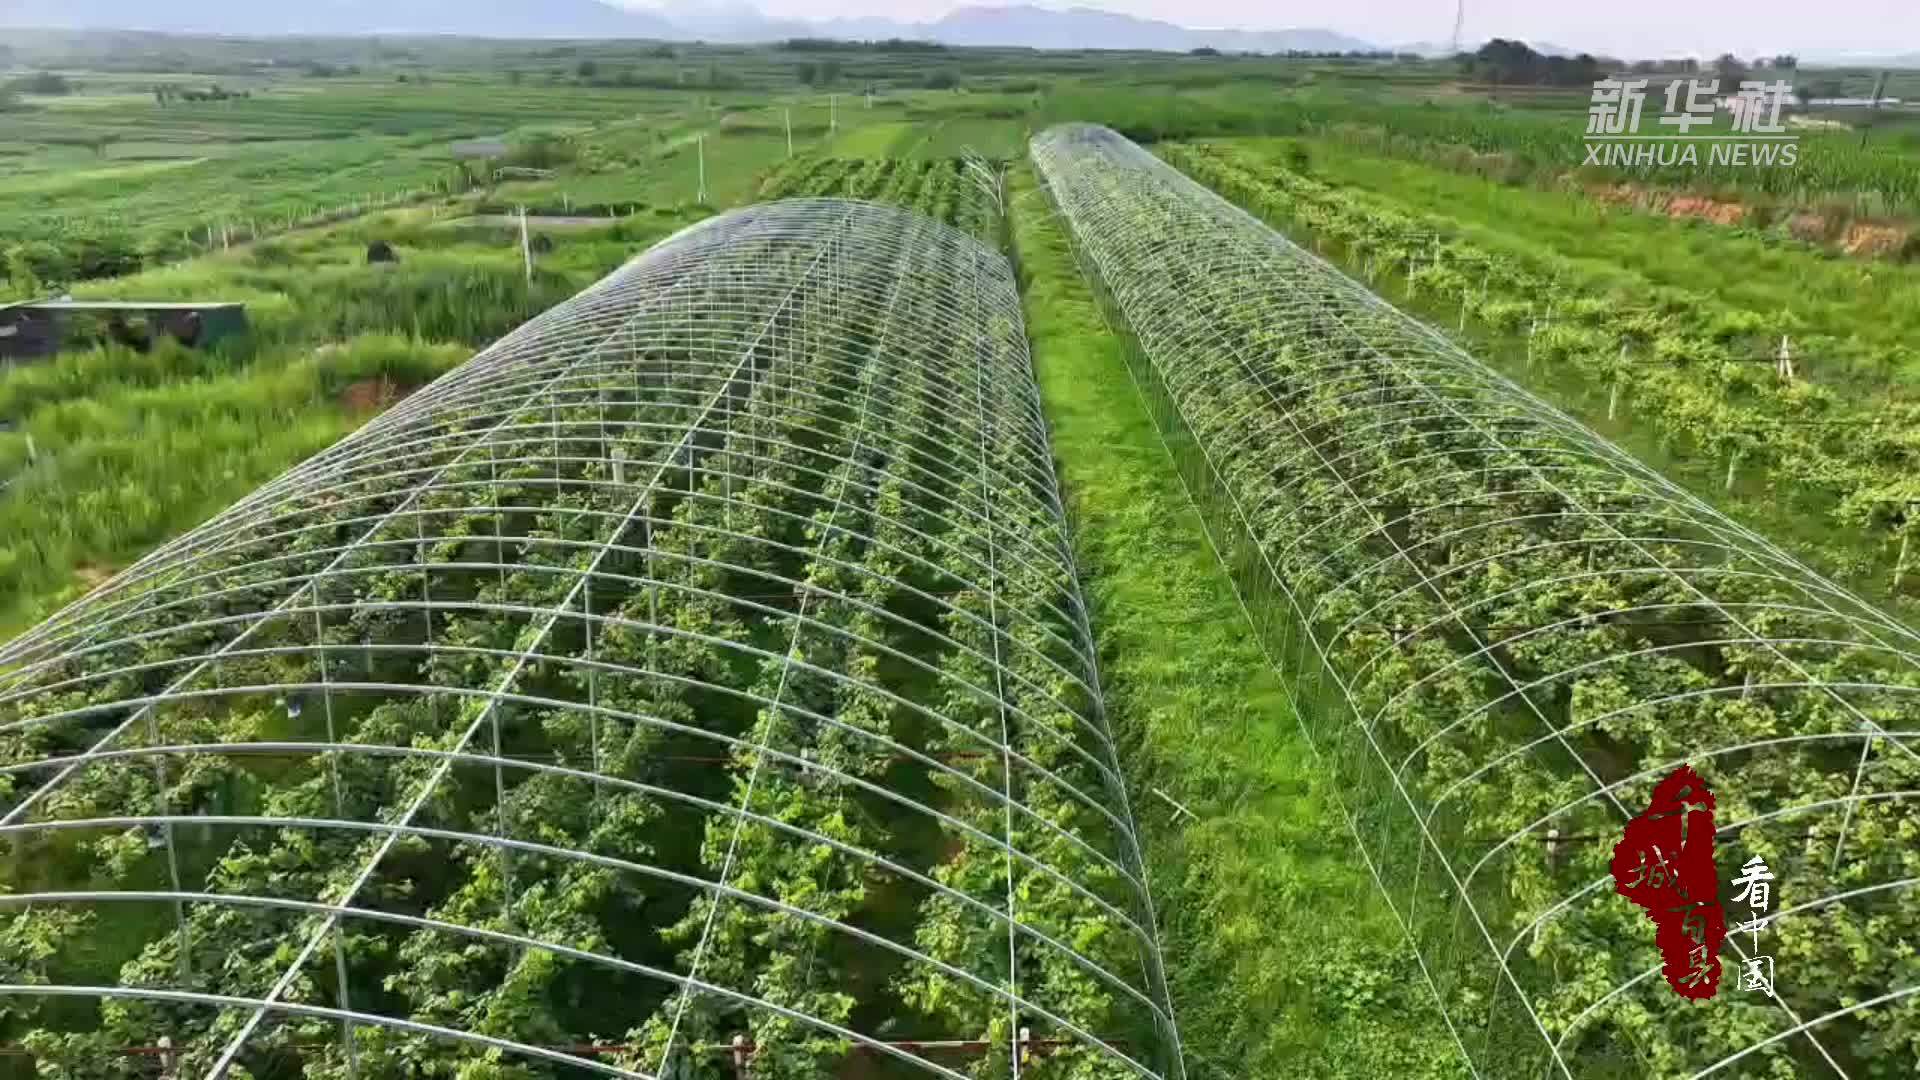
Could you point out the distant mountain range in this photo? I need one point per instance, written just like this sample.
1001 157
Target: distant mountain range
1018 25
1861 59
1432 49
1087 28
251 18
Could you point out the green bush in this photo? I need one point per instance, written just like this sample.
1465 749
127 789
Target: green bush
37 264
44 82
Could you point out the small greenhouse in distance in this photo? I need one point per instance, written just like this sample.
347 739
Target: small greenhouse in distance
696 681
1500 632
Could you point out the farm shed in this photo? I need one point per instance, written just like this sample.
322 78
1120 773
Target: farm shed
37 329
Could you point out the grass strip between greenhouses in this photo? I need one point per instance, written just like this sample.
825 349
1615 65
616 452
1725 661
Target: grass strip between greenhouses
1283 960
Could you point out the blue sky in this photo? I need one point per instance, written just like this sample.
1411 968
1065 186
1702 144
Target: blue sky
1628 27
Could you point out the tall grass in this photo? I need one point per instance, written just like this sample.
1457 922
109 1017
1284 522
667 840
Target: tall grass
131 464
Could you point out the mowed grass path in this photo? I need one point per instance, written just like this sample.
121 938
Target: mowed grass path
1284 960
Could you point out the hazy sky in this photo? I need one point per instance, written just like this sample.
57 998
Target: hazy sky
1626 27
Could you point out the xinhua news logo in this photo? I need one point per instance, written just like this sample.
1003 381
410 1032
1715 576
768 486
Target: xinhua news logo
1755 135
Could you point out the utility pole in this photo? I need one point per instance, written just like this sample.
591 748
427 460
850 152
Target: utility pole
1459 21
833 115
789 113
700 148
526 244
1873 106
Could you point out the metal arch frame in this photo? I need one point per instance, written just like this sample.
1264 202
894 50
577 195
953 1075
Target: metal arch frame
665 265
1445 358
799 764
1130 218
602 620
421 537
1034 430
1369 733
189 997
667 358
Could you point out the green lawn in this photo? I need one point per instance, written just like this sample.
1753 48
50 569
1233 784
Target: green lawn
1267 980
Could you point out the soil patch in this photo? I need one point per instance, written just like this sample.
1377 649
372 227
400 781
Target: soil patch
1875 240
372 395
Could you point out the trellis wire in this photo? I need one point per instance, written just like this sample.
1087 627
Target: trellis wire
1496 626
490 552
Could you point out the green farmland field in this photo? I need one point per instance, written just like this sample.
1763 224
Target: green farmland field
1462 204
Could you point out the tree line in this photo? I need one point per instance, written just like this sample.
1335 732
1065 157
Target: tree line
1515 63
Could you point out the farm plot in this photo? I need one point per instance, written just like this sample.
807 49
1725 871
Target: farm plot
697 676
1500 631
1822 446
945 189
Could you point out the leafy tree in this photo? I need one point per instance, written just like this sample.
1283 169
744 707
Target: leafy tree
543 150
587 69
1514 63
1729 69
49 83
107 254
1819 88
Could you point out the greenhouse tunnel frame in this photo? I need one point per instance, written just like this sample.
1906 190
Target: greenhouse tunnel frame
1135 224
738 343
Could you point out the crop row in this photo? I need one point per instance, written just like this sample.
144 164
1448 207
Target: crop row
419 113
941 188
1543 144
1500 632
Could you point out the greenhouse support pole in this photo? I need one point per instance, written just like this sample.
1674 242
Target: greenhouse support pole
1000 690
346 1024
